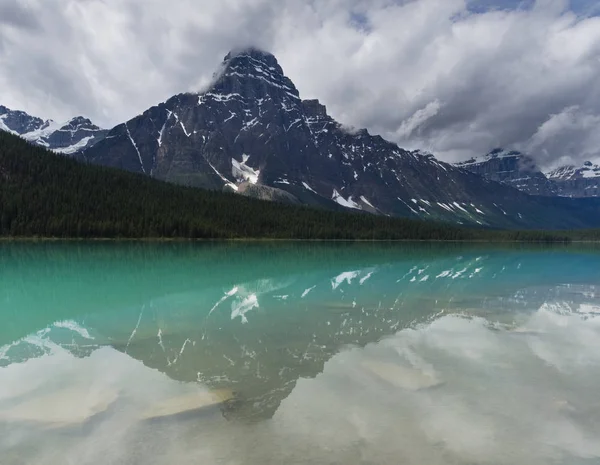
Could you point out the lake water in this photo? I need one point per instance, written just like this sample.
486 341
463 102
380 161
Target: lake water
143 353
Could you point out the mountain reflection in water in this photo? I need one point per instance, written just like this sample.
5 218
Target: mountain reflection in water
256 319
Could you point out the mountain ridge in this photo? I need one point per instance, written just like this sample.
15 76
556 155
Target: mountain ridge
67 138
251 127
520 171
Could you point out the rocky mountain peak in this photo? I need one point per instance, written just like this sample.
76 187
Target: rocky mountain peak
19 122
253 73
314 109
562 172
587 170
513 168
80 121
257 55
499 156
68 138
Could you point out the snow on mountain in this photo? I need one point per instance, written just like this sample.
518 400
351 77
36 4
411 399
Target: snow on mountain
496 154
68 138
520 171
588 170
18 122
40 135
512 168
4 127
573 181
242 172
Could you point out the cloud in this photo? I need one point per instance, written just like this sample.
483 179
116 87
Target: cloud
418 119
566 137
14 14
111 59
455 77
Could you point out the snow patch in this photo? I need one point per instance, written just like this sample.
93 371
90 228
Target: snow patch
299 120
187 134
445 207
46 130
75 147
306 186
242 172
409 207
162 131
457 205
136 148
349 203
4 127
367 202
249 124
218 97
224 179
231 117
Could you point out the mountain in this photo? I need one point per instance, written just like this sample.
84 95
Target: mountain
68 138
520 171
251 132
572 181
49 195
512 168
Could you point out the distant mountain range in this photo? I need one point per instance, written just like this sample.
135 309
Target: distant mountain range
250 132
69 137
520 171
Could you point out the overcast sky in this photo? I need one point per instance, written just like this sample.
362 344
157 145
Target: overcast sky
454 77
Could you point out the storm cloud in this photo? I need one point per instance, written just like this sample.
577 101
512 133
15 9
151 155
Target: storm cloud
453 77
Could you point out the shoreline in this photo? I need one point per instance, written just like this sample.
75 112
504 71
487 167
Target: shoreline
250 239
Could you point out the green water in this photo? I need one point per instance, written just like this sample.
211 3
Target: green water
308 353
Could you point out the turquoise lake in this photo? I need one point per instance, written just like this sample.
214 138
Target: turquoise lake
299 353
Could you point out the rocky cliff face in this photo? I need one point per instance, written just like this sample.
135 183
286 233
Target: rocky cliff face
251 128
69 138
514 169
573 181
